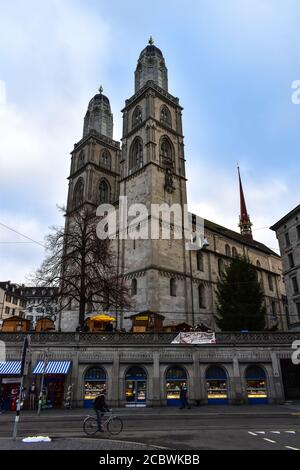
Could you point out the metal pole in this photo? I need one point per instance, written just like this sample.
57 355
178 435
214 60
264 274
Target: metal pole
42 384
18 410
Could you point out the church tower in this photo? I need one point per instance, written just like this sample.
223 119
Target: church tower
95 162
153 172
95 173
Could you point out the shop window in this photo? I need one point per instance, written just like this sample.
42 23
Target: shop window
94 382
136 386
216 382
176 377
256 385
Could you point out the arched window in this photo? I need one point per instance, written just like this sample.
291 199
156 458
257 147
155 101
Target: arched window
104 192
136 154
166 153
200 263
105 159
95 381
256 382
227 250
258 264
80 160
165 116
176 378
78 193
137 116
216 382
201 295
172 287
234 252
133 287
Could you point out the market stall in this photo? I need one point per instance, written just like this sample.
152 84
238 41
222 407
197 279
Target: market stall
10 381
100 323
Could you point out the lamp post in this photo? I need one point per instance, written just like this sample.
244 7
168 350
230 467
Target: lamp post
42 383
26 345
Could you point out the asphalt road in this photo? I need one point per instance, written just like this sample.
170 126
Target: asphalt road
203 428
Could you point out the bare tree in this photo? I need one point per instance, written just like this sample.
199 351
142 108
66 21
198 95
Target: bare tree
82 266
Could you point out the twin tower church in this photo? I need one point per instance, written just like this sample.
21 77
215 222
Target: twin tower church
150 168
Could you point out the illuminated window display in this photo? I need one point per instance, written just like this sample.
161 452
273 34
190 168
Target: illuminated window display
256 385
94 381
175 378
136 387
216 382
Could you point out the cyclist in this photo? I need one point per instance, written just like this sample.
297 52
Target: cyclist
100 407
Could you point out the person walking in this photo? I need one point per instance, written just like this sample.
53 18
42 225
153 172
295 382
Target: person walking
100 407
184 397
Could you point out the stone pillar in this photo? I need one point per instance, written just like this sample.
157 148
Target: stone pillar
196 392
237 397
278 391
115 380
156 400
76 381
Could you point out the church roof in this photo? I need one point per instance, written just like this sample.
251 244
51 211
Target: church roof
151 49
226 232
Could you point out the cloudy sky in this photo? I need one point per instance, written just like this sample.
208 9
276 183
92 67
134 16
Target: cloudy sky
231 62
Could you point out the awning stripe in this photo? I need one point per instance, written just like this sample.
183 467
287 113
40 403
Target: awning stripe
10 368
53 367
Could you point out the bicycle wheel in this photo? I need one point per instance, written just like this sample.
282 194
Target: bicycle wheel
115 426
90 426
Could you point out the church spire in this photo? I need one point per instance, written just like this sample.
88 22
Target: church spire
245 222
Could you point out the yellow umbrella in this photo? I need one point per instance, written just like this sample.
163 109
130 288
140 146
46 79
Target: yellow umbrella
104 318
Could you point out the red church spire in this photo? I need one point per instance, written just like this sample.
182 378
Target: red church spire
245 222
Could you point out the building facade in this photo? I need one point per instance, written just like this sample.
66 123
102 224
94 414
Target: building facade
148 369
288 234
150 169
12 301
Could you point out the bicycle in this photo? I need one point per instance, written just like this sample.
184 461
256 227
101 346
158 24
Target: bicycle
112 424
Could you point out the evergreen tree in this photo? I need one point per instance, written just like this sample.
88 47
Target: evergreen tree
240 298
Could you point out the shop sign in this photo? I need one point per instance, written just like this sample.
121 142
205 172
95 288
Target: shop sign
11 381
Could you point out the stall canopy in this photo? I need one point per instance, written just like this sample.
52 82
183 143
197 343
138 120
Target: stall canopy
10 368
103 318
52 367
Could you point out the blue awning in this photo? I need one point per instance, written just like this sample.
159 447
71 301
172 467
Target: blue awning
52 367
10 368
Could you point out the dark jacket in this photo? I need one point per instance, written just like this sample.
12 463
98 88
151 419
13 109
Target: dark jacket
100 404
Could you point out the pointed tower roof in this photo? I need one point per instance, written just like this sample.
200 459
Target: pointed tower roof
151 66
245 222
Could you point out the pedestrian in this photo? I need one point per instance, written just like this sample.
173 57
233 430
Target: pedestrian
184 397
100 407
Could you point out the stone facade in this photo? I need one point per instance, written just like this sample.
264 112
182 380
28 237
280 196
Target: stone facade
150 169
288 235
155 355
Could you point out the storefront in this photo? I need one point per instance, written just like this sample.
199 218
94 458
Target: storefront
216 383
10 381
136 387
55 373
94 381
256 382
176 377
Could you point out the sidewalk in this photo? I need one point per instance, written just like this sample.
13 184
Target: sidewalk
149 413
75 444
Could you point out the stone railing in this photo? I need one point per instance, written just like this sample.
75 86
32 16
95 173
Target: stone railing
82 339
